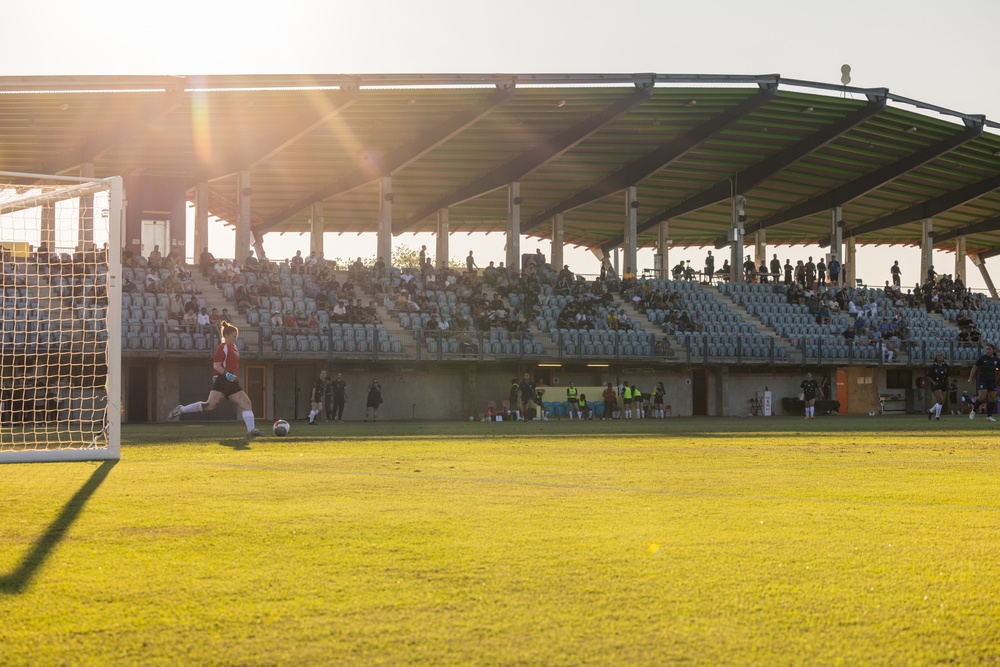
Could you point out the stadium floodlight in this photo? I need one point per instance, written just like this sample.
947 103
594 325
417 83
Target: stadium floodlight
60 343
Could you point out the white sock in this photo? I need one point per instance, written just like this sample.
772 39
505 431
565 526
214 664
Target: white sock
248 419
191 407
312 415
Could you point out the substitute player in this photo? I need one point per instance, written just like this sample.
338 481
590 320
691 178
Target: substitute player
986 382
226 364
938 374
810 390
317 397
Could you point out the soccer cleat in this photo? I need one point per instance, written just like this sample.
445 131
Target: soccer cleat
937 419
312 423
174 414
972 415
990 418
929 415
254 433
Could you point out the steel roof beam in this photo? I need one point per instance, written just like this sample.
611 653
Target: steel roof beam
929 208
990 225
522 165
658 159
760 171
848 192
283 134
398 157
159 104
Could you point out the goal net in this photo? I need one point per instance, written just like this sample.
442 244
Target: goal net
60 346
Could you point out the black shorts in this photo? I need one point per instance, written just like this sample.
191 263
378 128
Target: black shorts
939 387
657 400
572 401
987 383
808 397
226 387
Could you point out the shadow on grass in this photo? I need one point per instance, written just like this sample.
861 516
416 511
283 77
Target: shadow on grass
236 444
19 578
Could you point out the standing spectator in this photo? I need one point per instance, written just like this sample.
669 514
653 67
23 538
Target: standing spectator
775 268
821 272
374 400
748 270
470 263
810 268
834 269
336 398
896 272
610 402
709 267
788 272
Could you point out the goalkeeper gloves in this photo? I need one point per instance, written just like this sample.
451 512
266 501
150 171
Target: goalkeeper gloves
231 377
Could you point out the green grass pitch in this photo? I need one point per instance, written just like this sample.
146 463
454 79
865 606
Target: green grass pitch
733 541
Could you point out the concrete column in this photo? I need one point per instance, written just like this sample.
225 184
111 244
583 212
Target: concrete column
85 216
981 264
243 235
760 246
557 260
837 233
631 222
850 269
441 247
48 231
661 264
383 246
736 239
514 225
926 248
960 258
317 226
200 219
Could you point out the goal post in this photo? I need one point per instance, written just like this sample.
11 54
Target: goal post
60 344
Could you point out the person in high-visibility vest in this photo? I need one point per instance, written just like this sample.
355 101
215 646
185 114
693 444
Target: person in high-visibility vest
637 402
573 401
627 400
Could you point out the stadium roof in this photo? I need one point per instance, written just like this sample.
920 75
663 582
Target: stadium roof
794 148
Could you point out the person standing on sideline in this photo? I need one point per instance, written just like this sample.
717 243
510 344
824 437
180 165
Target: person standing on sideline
938 374
658 393
573 401
610 402
337 397
316 397
810 389
986 383
896 272
374 400
226 364
709 267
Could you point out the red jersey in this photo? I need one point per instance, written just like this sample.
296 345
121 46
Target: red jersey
229 357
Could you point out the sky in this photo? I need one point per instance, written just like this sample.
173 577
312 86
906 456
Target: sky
928 51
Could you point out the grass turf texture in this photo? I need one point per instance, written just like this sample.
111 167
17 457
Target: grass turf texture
699 541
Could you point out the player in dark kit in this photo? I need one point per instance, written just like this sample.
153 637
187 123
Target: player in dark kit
338 393
938 374
226 364
317 396
986 382
810 389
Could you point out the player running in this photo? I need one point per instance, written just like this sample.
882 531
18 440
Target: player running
986 383
938 374
226 364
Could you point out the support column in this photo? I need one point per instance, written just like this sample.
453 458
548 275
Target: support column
383 246
978 260
48 231
849 268
631 222
85 216
514 226
441 248
760 247
837 233
926 249
557 242
661 262
960 259
243 234
200 219
736 239
317 226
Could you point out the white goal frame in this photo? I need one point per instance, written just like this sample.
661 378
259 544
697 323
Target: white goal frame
106 442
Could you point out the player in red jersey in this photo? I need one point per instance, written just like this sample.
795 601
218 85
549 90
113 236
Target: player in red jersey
226 364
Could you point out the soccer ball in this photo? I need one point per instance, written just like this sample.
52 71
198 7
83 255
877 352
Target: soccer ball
281 427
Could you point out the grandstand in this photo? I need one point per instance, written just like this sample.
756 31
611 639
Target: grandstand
607 162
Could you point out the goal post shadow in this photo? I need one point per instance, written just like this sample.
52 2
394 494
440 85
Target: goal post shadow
20 576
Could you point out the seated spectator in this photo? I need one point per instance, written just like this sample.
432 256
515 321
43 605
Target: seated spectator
288 320
203 318
190 320
313 322
155 259
206 261
276 319
152 282
301 321
251 263
214 318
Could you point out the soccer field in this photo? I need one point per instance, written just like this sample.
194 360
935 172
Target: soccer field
758 541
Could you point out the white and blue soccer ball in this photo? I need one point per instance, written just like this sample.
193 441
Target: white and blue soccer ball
281 427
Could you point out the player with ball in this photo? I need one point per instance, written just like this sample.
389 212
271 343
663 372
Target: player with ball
226 364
